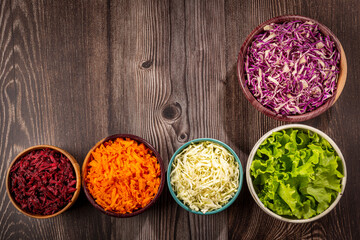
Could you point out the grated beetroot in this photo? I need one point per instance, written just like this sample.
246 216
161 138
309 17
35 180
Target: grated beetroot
42 182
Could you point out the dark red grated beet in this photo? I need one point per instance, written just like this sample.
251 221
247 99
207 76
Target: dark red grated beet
42 182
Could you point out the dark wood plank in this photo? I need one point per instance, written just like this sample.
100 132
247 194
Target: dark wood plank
7 116
140 88
204 79
76 74
60 66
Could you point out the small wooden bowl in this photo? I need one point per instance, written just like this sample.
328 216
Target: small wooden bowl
77 173
88 158
290 118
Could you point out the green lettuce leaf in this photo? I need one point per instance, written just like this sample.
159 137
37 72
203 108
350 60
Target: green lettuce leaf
296 173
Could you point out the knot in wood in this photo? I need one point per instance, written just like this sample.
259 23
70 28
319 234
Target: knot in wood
147 64
183 137
171 112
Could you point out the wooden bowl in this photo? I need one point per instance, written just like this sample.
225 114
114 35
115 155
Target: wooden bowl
77 173
88 158
290 118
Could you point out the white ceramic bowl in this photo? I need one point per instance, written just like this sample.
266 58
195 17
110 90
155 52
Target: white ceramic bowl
251 187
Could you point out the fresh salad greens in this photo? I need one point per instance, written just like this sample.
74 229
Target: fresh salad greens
205 176
296 173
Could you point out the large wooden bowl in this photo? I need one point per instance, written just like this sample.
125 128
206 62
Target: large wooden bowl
290 118
77 174
89 157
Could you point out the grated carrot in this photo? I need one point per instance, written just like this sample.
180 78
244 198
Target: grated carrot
123 175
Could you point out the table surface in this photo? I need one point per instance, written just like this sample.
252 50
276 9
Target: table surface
74 72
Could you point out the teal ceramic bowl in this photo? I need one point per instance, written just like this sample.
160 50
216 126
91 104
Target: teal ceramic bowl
241 176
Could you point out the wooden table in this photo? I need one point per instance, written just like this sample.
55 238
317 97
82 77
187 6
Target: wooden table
74 72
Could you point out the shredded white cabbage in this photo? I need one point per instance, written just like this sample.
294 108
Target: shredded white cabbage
205 176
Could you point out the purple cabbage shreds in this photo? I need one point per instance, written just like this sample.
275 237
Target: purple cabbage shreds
42 182
292 68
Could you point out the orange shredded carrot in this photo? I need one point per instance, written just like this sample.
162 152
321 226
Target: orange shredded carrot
123 175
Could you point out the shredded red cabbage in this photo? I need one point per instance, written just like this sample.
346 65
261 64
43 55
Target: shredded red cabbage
292 68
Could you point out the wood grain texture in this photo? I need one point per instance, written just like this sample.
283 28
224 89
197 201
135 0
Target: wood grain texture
74 72
7 115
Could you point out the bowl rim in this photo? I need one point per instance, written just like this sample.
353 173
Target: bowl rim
270 113
251 187
241 176
141 210
75 166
